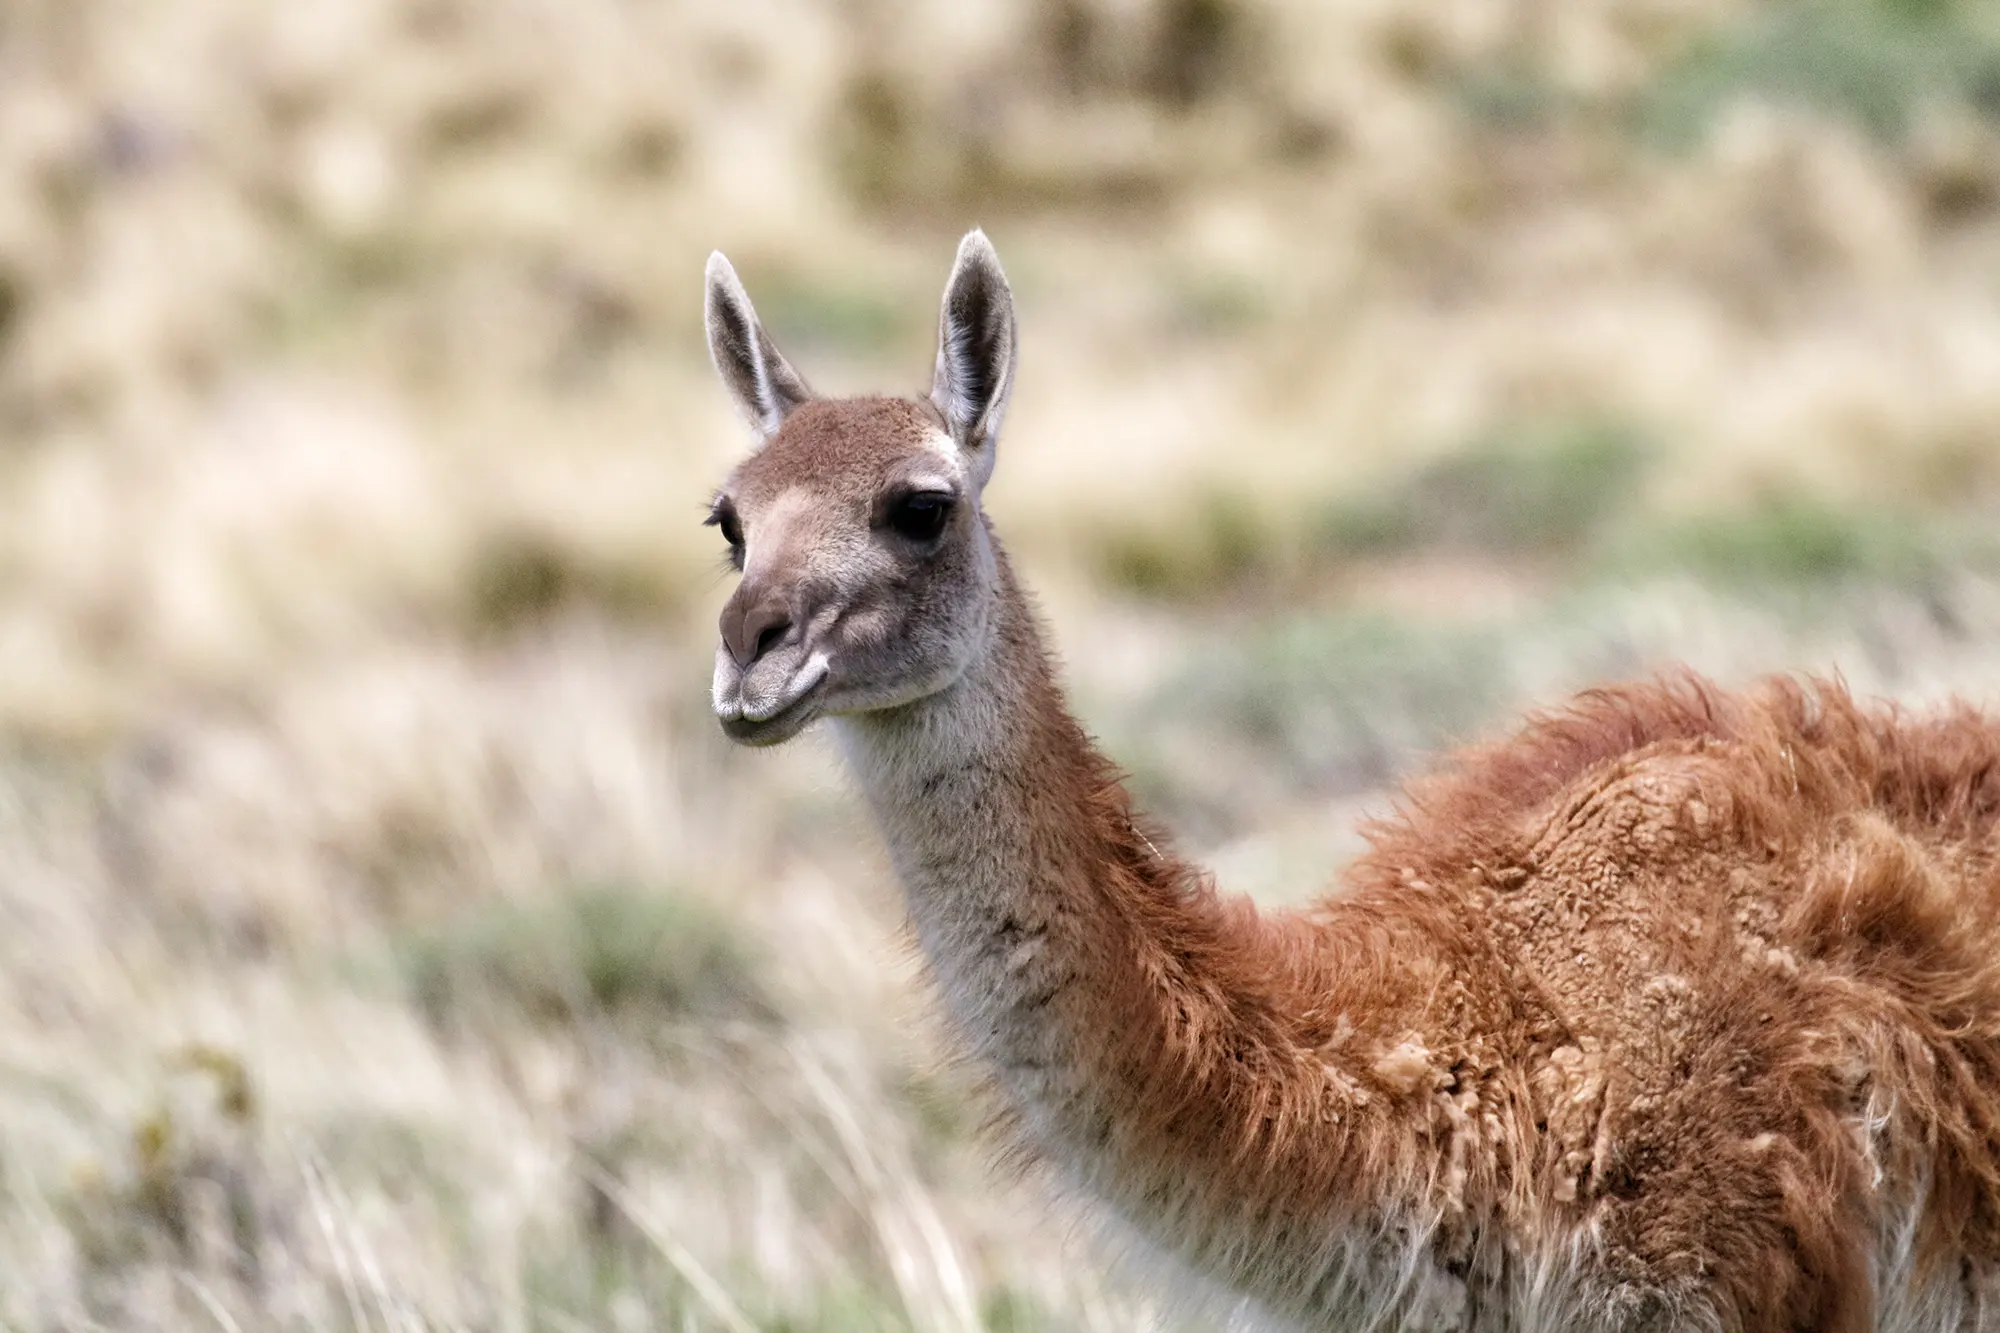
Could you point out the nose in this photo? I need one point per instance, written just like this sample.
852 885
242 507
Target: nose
751 628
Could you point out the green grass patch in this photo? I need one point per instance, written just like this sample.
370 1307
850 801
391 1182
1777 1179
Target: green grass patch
814 310
1512 97
1216 304
1796 542
1528 492
1531 492
1331 703
1341 701
1872 62
599 953
1332 692
1567 501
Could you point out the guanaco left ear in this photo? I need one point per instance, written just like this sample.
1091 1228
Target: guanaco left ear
975 359
758 377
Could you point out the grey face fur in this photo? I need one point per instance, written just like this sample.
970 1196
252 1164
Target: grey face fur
868 571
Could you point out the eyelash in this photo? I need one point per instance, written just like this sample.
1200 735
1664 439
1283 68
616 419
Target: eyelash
723 517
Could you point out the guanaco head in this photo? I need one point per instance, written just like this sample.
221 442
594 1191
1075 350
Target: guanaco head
867 570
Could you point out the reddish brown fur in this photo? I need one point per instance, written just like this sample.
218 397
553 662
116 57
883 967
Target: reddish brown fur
1823 879
1673 938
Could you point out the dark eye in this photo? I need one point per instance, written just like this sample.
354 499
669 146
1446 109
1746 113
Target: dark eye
723 517
920 517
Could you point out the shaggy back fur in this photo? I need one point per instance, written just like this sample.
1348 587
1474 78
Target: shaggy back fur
1677 1009
1754 946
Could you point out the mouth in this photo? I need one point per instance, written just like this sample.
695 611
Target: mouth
781 725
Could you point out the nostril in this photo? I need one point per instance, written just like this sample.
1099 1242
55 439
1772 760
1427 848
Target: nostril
768 637
755 632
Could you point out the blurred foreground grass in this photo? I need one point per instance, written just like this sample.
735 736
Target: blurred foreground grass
387 939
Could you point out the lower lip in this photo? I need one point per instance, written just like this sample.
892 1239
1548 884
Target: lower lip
778 726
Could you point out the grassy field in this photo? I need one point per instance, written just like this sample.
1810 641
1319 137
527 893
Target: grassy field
388 939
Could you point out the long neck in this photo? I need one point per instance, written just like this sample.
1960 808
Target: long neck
1166 1046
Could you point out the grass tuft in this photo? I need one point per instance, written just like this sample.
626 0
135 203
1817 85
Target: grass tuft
1221 543
186 1192
13 300
1200 48
599 953
518 578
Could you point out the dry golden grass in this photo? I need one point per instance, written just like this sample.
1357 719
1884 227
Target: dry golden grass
389 940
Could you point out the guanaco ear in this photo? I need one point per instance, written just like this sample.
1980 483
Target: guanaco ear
758 377
975 359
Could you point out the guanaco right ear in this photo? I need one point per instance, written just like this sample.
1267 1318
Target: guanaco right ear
764 385
975 359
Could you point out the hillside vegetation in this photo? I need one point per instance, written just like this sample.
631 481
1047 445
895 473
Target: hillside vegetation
389 941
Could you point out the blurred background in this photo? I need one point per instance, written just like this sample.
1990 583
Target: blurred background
388 940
